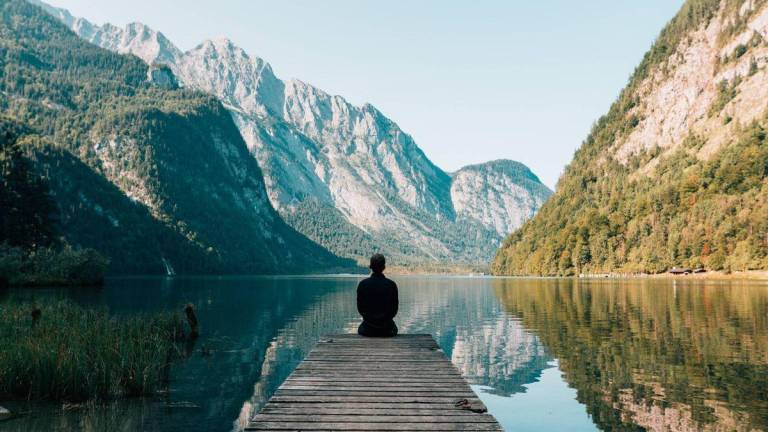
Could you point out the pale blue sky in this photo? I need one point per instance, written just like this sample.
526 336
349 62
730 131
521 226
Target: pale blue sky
471 81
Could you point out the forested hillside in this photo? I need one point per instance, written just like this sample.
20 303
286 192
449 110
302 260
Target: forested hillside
153 177
675 173
32 251
346 176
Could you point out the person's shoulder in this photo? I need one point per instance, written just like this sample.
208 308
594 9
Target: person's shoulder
391 282
364 282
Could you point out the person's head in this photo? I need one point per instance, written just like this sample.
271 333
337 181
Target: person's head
378 263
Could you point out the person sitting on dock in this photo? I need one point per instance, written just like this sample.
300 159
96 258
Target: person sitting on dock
377 301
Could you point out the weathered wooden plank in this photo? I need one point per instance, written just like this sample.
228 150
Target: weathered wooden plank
445 407
400 336
418 398
373 359
362 381
375 365
310 426
383 386
380 418
348 383
361 410
382 380
377 371
370 382
379 353
331 372
454 395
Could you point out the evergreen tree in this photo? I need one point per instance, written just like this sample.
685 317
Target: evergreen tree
26 207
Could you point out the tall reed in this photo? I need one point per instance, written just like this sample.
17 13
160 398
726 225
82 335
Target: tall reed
73 353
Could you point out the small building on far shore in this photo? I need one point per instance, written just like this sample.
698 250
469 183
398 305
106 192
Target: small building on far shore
680 271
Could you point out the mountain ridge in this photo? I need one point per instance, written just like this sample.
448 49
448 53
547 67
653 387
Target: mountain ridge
171 160
350 164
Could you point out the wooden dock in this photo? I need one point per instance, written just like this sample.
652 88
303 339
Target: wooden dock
352 383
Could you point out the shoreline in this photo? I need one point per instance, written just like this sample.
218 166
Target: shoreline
711 275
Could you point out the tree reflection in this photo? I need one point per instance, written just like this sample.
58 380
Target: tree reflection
660 355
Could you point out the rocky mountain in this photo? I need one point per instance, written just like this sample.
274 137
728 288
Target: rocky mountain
156 178
501 194
346 176
675 173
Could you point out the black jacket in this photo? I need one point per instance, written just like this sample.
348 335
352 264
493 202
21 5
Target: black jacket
377 301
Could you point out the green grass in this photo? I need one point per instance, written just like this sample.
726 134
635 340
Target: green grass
76 354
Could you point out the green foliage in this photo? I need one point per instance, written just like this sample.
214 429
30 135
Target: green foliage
143 174
75 354
325 225
30 252
607 217
51 267
688 213
328 227
94 212
692 15
726 91
740 50
26 207
737 22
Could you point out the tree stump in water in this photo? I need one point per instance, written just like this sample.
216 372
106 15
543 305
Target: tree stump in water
189 310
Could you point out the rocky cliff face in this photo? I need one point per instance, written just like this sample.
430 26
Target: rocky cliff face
500 194
335 171
674 174
170 181
714 82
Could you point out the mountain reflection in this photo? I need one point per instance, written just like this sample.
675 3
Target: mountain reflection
654 355
488 346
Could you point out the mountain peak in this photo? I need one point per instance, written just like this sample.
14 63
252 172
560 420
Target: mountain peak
509 166
223 48
350 169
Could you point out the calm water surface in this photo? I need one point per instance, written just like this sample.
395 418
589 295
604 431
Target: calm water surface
544 354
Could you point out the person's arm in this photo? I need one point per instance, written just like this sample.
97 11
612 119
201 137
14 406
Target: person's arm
396 301
360 300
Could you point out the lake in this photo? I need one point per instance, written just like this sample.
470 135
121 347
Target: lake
543 354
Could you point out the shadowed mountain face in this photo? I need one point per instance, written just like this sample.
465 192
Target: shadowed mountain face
153 177
691 357
345 176
675 173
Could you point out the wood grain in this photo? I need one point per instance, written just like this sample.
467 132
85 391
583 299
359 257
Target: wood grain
348 382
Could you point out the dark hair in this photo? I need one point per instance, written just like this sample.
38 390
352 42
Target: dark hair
378 263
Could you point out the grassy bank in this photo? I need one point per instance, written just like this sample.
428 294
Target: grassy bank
61 351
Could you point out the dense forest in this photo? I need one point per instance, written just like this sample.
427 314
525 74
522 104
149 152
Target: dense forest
683 210
31 249
152 177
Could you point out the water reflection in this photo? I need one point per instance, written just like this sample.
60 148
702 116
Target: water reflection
544 354
240 319
490 348
656 355
259 329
